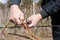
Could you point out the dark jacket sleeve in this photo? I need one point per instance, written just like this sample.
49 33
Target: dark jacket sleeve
50 8
15 2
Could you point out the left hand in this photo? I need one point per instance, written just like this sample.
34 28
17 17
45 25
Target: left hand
16 14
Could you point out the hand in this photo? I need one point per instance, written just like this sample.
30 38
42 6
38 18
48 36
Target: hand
34 19
16 14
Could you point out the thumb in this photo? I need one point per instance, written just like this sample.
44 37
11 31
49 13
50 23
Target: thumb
31 25
22 17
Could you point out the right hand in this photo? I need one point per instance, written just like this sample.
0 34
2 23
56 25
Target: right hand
34 20
16 14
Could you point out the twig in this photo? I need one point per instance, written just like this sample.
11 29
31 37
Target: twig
3 31
27 28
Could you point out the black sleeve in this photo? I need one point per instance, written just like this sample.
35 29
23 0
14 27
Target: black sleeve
50 8
15 2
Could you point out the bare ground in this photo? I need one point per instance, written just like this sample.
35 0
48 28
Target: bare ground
22 34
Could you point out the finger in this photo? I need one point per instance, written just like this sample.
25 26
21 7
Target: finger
31 25
28 21
17 21
13 21
25 21
22 17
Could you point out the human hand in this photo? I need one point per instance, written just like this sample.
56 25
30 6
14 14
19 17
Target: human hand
34 19
16 14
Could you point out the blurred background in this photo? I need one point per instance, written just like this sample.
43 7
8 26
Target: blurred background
29 7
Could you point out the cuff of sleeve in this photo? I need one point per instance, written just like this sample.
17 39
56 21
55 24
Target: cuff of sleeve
43 14
14 2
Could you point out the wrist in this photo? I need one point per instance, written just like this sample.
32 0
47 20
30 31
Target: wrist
14 6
